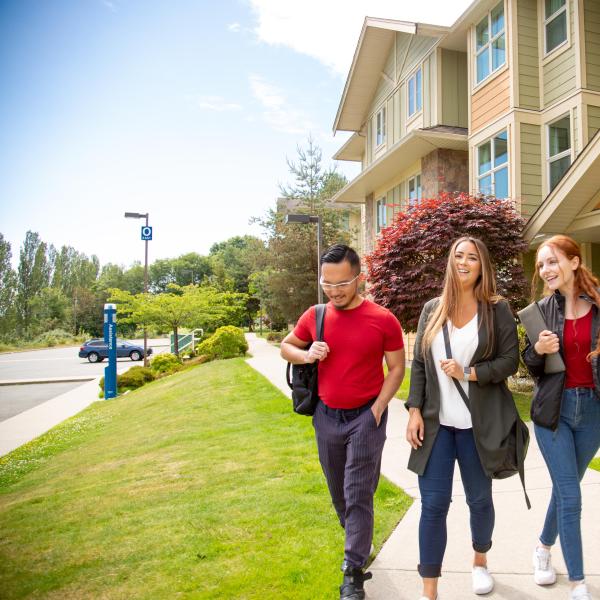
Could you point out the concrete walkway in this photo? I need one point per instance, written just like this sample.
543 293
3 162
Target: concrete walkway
394 569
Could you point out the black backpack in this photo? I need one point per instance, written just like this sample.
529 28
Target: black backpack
303 383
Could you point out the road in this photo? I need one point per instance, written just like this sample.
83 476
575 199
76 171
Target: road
51 363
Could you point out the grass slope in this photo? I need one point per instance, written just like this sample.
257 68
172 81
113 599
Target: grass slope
200 485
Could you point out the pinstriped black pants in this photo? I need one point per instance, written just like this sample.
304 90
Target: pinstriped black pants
350 445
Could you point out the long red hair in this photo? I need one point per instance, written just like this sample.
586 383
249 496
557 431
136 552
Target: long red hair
585 281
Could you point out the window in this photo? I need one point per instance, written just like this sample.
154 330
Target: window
380 128
415 92
555 23
414 190
492 166
381 214
559 149
490 43
345 220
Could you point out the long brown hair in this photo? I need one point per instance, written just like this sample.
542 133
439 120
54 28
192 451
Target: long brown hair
585 281
448 306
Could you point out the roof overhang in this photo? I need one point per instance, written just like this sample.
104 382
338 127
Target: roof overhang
373 48
400 156
572 206
353 149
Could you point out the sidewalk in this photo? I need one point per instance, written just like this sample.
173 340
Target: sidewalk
394 569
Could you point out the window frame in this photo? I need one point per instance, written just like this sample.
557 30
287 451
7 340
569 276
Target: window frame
546 22
489 45
414 201
493 169
380 117
413 77
381 210
560 155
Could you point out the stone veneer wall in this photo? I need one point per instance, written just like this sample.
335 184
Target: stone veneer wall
444 170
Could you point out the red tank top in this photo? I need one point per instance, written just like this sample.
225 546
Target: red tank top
577 341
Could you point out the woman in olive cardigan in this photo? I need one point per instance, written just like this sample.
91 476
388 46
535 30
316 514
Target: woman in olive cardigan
483 335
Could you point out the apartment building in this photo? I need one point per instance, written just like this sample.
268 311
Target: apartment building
505 102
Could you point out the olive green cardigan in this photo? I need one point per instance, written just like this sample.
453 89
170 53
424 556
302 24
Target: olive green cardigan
493 410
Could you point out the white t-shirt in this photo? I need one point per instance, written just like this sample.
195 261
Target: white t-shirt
463 343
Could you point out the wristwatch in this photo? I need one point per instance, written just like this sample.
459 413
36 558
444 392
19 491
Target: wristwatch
466 373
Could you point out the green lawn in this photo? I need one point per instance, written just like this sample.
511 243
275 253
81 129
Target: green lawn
199 485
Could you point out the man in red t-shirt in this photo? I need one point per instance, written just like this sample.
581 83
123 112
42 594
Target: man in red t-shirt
351 418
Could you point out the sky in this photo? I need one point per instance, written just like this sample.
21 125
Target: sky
183 109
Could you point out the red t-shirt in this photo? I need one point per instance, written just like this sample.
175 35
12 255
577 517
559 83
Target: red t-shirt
352 373
577 341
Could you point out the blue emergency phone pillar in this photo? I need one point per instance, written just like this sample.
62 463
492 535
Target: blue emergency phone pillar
110 339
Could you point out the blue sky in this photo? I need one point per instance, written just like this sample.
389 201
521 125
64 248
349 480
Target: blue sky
183 109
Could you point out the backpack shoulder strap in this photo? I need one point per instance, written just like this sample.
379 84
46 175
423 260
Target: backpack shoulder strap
459 387
320 316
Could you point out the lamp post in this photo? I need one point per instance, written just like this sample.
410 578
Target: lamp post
296 218
133 215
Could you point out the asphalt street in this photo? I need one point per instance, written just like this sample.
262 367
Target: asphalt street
51 363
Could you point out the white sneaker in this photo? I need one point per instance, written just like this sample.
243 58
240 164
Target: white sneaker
483 582
427 598
543 571
580 592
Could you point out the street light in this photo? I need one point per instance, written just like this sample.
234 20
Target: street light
134 215
312 219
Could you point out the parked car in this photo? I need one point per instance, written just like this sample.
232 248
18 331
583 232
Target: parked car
96 350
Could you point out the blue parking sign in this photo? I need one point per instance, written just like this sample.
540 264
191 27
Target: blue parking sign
146 232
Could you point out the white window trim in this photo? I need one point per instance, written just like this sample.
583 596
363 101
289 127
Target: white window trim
381 112
420 188
410 116
489 44
547 20
382 202
555 157
493 170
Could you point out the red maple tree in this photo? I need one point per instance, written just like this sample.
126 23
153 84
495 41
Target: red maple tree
407 266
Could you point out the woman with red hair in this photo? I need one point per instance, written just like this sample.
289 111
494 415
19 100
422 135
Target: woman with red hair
566 405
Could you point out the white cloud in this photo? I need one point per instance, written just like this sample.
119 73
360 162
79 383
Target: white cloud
277 112
234 27
217 103
329 31
110 5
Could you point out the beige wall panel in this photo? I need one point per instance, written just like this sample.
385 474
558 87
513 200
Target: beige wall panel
397 117
454 89
369 144
592 43
427 95
403 43
575 129
418 49
389 125
527 39
383 89
559 73
490 101
402 113
593 120
531 168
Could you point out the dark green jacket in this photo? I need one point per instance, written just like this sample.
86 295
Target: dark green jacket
493 410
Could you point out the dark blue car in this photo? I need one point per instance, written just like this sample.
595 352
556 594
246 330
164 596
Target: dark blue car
96 350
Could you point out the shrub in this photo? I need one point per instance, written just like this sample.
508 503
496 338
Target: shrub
54 337
276 336
226 342
165 363
132 379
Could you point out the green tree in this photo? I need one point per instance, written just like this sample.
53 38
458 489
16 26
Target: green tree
289 280
8 284
32 277
191 268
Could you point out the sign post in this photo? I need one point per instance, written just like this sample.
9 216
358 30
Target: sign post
110 339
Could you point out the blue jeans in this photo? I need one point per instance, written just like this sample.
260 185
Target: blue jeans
436 494
567 452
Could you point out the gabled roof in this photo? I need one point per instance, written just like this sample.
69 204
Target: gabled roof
560 212
373 48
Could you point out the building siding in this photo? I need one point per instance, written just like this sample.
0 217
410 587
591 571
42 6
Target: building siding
454 89
593 120
592 43
490 102
528 53
531 168
411 54
559 73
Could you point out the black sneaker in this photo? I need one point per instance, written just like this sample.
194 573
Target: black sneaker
352 586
